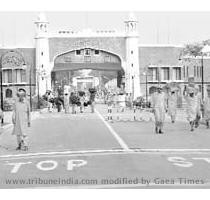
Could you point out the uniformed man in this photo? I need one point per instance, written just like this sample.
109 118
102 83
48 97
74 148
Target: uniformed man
199 106
93 92
172 104
110 103
192 105
21 119
159 106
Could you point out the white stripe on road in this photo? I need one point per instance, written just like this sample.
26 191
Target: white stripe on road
113 132
102 153
57 153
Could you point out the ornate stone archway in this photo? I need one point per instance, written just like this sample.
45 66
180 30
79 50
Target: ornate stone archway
123 44
105 63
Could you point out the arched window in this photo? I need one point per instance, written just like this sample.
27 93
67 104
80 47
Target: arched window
8 93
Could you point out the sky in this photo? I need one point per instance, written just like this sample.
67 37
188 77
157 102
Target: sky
176 28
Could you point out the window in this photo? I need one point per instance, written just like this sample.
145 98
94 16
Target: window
42 53
184 71
78 52
42 65
23 75
187 71
87 52
153 74
177 71
8 93
96 52
20 75
17 76
131 52
132 65
165 73
7 76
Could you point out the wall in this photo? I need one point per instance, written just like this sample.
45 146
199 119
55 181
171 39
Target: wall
156 55
29 57
115 45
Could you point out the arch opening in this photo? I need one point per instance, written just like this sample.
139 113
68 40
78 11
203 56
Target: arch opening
87 67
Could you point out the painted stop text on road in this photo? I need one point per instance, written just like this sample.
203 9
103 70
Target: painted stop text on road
45 165
188 162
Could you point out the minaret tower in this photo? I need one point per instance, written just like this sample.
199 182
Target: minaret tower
43 77
132 75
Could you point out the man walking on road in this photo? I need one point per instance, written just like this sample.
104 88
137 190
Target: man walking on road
21 119
199 106
66 102
159 108
192 106
172 104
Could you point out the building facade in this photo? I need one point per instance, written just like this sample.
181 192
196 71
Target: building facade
114 57
97 50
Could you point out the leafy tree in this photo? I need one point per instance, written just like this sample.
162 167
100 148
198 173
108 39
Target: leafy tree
193 49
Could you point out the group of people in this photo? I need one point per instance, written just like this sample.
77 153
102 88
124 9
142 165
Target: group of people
162 102
117 100
71 99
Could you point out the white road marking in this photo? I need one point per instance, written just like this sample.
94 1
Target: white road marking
46 154
68 153
113 132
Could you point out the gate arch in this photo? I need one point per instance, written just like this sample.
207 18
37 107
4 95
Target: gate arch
77 59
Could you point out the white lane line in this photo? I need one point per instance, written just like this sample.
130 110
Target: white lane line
113 132
57 153
99 153
171 150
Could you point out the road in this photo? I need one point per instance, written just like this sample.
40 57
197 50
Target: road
86 151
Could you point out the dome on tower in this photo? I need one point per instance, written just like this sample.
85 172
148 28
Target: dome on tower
42 17
132 17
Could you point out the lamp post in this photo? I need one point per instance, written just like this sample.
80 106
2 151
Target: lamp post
132 77
145 74
38 102
202 77
30 89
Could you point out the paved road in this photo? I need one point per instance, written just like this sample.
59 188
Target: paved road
87 152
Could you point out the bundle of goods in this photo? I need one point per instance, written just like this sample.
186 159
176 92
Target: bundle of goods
81 93
92 90
75 100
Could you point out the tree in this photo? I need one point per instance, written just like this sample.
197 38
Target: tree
193 49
